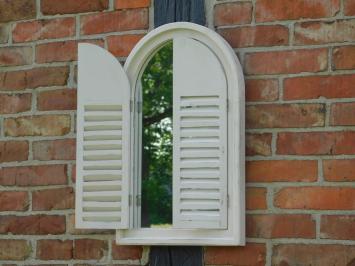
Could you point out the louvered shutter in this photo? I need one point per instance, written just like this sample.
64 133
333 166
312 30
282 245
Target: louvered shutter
199 137
103 116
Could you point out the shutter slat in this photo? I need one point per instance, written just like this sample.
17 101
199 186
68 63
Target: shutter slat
200 137
103 124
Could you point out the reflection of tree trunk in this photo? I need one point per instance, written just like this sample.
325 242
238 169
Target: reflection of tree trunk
147 121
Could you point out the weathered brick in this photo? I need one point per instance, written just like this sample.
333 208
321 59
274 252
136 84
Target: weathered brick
4 32
258 144
339 170
271 10
32 225
63 99
15 103
126 252
53 199
256 198
54 150
282 171
316 143
324 32
233 13
90 249
53 7
338 227
54 249
43 29
313 87
312 254
121 20
344 57
73 230
11 249
39 175
17 10
251 254
123 4
33 78
261 90
286 62
44 125
349 7
60 51
253 36
15 56
13 201
285 115
122 45
11 151
280 226
316 198
342 114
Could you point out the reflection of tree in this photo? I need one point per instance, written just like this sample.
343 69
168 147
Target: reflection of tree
157 81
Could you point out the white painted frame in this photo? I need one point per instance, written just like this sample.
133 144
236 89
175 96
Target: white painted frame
137 60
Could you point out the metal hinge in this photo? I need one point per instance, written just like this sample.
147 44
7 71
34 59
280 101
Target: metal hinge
131 106
138 200
139 107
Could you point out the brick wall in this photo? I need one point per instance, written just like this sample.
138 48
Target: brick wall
299 62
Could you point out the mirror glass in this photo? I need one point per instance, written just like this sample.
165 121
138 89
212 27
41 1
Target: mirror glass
157 139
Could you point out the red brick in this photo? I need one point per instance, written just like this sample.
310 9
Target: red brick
286 62
339 170
15 103
344 57
126 252
60 51
32 225
316 198
282 171
258 144
54 249
256 198
233 13
253 36
15 56
122 45
63 99
40 175
53 7
11 151
261 90
280 226
349 7
252 254
17 10
342 114
53 199
73 230
324 32
33 78
338 227
316 143
312 254
11 249
54 150
285 115
13 201
4 32
44 125
314 87
89 249
122 20
123 4
43 29
271 10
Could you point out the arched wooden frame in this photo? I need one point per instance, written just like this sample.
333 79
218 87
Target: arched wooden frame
134 66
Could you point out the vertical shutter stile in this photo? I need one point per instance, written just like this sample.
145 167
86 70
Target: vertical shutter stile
199 137
103 116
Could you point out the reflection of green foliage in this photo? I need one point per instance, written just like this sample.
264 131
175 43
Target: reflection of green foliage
157 82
